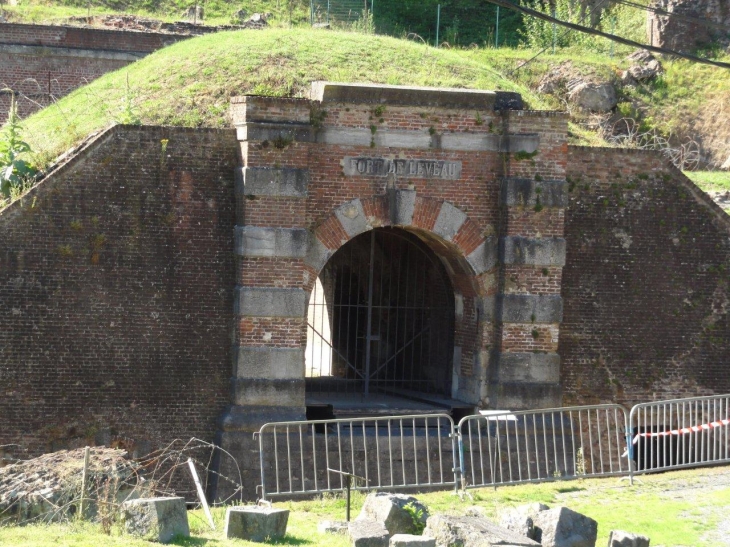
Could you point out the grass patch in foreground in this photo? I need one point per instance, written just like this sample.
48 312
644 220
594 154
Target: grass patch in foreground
673 509
710 181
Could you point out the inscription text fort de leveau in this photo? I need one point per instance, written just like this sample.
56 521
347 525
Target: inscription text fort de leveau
419 168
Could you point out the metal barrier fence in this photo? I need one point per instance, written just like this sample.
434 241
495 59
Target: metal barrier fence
393 452
422 451
679 433
542 445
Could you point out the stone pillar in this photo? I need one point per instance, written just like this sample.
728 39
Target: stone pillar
525 371
271 297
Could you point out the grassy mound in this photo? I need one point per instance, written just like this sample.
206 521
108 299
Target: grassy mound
190 83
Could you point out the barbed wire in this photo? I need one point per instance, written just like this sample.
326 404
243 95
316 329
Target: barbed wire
112 479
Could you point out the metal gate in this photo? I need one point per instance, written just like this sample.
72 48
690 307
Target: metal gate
393 452
543 445
380 319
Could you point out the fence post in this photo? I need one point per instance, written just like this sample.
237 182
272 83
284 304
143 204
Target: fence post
438 23
496 32
552 10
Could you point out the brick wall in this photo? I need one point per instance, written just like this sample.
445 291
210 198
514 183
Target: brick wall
116 291
43 63
645 284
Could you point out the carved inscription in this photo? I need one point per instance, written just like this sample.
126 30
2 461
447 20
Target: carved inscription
382 167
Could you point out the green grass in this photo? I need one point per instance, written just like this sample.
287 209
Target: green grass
710 181
191 82
217 12
673 509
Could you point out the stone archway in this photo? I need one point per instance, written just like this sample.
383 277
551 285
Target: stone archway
380 319
467 258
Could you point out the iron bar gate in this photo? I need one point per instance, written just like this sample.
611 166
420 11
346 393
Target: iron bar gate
380 318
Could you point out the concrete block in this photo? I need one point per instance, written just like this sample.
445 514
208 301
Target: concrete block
317 253
270 302
271 181
408 540
367 533
521 519
277 134
352 217
525 192
471 142
254 523
488 308
344 136
453 531
524 396
332 527
617 538
390 510
485 256
549 251
529 368
404 203
528 142
353 136
268 362
263 392
238 421
156 519
449 221
563 527
330 92
531 308
271 242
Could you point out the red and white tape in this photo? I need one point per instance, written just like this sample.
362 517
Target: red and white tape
684 430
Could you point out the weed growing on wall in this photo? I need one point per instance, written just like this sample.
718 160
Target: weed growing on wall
15 172
128 114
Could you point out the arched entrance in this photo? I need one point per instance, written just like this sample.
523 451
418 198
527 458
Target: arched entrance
380 321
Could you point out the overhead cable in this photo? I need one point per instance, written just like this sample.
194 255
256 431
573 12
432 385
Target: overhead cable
608 36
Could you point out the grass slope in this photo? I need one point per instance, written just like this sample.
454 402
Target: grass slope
217 12
674 509
190 83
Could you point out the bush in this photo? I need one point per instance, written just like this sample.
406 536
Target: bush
15 172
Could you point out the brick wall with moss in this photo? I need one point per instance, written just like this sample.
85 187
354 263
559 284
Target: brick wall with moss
116 291
645 286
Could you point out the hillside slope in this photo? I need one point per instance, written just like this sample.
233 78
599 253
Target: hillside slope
190 83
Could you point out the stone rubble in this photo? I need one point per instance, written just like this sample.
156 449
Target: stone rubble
521 519
156 519
618 538
367 533
390 509
453 531
256 523
563 527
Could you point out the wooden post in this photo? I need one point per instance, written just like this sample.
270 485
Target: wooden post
84 476
201 494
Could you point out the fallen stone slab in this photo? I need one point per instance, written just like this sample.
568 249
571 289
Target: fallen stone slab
618 538
521 519
563 527
452 531
332 527
256 523
156 519
410 540
390 509
367 533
